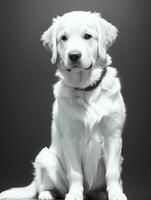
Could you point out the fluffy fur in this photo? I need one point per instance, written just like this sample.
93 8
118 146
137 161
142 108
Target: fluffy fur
85 152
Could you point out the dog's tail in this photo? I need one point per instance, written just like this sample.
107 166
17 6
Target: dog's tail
29 191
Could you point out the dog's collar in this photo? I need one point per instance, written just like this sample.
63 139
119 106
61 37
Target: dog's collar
96 83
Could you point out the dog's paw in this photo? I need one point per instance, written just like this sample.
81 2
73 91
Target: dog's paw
74 196
45 195
117 196
115 192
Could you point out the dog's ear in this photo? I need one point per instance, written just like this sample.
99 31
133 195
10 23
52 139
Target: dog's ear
49 41
107 34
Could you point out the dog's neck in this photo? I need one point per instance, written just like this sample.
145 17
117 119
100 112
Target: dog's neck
94 84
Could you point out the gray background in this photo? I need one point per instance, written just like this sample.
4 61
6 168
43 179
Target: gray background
26 77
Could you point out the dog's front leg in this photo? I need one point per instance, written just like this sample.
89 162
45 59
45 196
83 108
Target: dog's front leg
112 158
70 142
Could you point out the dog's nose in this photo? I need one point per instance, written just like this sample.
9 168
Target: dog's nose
74 55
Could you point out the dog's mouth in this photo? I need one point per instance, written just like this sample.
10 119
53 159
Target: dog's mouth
77 67
89 67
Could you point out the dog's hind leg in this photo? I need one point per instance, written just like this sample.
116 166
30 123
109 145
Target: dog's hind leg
49 175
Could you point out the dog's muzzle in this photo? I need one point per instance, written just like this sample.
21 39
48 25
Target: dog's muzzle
74 57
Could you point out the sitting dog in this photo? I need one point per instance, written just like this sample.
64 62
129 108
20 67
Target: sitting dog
88 114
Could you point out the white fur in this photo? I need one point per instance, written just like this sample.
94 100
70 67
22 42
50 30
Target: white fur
85 152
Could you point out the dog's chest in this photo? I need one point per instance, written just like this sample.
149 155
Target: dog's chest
92 107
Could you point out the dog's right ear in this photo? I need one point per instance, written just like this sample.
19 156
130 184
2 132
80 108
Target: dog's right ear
49 41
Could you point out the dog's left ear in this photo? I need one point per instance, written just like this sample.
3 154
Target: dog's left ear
107 34
49 41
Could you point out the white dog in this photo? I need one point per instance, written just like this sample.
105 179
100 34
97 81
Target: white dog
88 114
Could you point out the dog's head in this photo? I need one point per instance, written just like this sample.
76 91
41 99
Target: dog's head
78 40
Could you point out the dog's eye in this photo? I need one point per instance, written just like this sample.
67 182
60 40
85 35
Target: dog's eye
87 36
64 38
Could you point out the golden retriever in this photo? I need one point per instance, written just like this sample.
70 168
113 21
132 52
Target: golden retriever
88 114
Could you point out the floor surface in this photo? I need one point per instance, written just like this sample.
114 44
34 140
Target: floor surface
129 198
